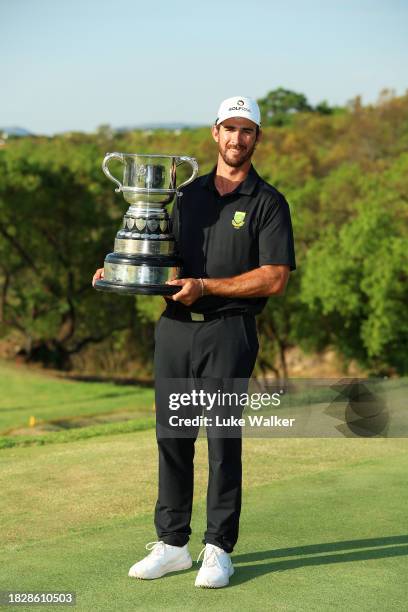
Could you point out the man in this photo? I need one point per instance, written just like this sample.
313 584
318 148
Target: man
235 238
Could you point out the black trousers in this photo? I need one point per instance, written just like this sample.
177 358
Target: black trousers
200 354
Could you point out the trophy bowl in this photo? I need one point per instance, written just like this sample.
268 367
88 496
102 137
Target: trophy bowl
145 252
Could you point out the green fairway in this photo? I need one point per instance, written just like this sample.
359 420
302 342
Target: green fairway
60 403
323 525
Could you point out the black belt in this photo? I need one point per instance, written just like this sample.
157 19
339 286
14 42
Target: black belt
173 311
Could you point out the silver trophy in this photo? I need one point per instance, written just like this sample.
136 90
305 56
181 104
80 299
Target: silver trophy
145 253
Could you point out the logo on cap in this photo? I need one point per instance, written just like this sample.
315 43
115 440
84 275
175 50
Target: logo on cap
240 103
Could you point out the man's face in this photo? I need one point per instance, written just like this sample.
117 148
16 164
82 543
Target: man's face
237 139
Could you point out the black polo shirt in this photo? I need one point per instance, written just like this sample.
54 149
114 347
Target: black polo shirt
222 236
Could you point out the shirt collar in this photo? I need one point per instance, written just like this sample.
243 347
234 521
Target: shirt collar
247 187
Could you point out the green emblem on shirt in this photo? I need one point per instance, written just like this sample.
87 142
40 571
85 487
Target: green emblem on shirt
239 219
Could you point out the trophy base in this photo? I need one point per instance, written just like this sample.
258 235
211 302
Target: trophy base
134 289
139 274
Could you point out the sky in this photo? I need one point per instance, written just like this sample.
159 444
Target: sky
77 64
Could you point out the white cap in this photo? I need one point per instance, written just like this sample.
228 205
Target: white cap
239 106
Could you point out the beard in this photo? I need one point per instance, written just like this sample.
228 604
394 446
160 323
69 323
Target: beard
236 156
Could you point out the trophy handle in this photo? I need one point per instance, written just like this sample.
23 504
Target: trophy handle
193 163
106 160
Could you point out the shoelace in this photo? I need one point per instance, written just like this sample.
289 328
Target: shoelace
210 557
156 548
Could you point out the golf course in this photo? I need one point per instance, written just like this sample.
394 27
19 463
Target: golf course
324 521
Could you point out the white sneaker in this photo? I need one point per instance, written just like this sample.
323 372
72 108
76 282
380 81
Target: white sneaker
163 559
216 568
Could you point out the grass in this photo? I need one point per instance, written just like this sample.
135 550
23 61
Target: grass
68 410
25 393
323 523
71 435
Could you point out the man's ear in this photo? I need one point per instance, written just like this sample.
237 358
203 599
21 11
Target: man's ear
260 135
215 132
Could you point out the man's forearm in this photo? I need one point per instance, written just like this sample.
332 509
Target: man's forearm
261 282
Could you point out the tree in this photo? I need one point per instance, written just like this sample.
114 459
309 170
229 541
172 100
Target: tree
54 226
356 276
323 108
278 106
345 176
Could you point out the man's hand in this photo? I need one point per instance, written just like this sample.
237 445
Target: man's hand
98 274
191 290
